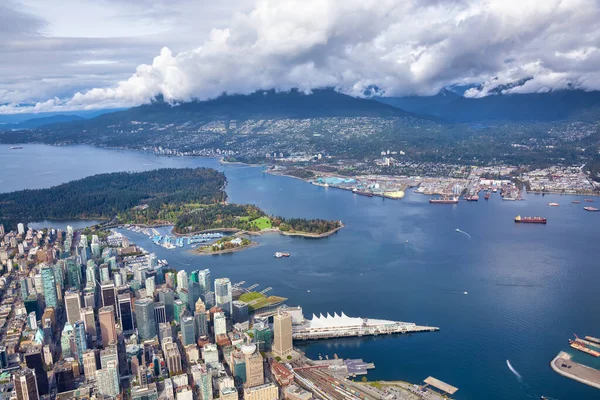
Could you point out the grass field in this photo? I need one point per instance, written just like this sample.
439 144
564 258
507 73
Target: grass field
262 222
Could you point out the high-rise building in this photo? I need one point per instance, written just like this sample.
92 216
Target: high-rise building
220 324
210 354
182 280
146 392
282 340
223 296
72 305
263 335
32 320
240 311
165 331
108 329
20 228
204 281
188 330
80 339
64 377
201 320
160 313
150 286
90 273
67 340
255 374
89 297
86 315
109 295
167 296
89 364
3 357
109 354
194 291
205 383
73 272
35 361
172 358
95 246
179 308
24 282
144 316
49 286
26 385
126 313
209 299
107 380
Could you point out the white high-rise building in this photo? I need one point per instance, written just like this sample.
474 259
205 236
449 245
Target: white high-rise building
220 324
150 287
182 280
223 296
20 228
72 305
107 379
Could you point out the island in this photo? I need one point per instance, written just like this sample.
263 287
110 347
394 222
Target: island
192 200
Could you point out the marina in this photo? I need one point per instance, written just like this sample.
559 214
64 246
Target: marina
173 242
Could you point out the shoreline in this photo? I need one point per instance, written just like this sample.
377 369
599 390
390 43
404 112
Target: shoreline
565 357
199 252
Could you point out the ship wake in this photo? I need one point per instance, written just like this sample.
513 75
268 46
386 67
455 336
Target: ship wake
514 371
463 232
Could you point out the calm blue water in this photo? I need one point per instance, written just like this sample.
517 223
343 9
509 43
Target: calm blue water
530 287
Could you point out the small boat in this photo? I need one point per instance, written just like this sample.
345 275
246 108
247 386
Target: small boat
279 254
487 196
591 209
16 147
553 204
589 200
576 202
465 292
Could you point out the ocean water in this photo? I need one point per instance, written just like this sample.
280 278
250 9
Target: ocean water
530 287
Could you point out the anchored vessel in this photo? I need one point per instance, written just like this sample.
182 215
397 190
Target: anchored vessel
279 254
444 200
326 327
591 209
530 220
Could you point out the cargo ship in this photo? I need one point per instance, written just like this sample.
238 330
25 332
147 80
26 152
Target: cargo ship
591 209
444 200
280 254
592 339
362 193
530 220
578 346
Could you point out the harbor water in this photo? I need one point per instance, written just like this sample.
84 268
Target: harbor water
529 286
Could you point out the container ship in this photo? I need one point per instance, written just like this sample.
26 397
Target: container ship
362 193
578 346
444 200
591 209
530 220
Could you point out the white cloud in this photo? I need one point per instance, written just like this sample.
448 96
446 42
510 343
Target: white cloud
403 47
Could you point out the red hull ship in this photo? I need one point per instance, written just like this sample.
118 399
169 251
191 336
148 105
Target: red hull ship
530 220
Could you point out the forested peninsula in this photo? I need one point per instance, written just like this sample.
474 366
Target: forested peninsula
192 200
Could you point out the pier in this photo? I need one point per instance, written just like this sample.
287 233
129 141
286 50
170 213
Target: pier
337 326
563 365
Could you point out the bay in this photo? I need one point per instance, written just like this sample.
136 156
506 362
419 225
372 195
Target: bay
529 286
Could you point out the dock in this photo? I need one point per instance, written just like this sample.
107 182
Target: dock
563 365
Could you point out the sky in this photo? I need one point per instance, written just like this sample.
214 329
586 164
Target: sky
100 54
